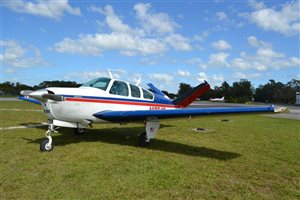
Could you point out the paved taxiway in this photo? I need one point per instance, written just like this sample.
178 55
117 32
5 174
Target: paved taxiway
9 99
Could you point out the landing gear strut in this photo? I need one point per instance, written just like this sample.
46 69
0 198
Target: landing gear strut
143 140
152 126
79 131
47 145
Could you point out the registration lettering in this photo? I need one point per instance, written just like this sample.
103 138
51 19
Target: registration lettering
157 108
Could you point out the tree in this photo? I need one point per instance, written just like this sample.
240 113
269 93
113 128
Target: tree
224 90
8 88
58 84
277 92
183 87
295 84
170 95
242 91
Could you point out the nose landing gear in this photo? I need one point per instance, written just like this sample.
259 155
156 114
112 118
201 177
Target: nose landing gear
47 145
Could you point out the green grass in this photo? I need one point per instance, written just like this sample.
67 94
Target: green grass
249 157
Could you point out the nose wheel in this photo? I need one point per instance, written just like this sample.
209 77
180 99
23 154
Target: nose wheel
47 145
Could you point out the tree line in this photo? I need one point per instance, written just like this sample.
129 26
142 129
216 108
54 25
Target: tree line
13 89
243 91
239 92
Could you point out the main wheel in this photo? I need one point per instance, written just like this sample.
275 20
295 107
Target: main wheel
79 131
45 146
143 140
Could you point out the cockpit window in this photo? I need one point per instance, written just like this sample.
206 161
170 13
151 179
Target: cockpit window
135 91
100 83
119 88
147 95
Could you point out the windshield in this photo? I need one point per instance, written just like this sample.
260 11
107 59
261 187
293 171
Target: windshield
100 83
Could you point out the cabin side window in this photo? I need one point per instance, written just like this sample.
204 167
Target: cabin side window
147 95
119 88
135 91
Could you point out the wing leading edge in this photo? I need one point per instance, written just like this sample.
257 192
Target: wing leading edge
140 115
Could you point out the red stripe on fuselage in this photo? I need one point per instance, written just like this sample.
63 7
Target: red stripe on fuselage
118 102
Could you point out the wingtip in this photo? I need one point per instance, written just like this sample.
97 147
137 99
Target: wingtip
281 110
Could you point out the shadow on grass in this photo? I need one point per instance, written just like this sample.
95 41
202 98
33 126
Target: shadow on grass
128 136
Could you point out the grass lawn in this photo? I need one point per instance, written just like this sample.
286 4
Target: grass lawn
248 157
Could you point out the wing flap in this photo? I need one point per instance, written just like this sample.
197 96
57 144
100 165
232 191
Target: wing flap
140 115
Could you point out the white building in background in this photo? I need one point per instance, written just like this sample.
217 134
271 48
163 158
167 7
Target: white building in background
298 98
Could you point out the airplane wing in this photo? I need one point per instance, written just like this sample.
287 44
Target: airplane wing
140 115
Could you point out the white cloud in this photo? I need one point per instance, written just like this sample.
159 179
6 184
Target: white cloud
123 38
218 60
201 77
240 75
15 55
221 45
257 5
91 75
269 53
88 75
217 79
285 63
198 62
285 21
114 22
182 72
96 44
254 42
194 61
96 9
221 16
265 58
240 63
166 78
51 9
160 23
202 36
178 42
149 61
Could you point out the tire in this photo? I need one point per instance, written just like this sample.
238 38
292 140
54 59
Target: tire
79 131
45 147
142 140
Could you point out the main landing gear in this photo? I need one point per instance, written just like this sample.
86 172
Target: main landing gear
151 126
143 140
79 131
47 145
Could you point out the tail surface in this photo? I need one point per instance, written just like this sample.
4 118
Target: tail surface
191 95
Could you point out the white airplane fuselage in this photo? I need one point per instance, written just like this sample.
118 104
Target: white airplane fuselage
217 99
79 104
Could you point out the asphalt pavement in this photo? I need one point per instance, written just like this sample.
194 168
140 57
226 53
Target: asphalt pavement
9 99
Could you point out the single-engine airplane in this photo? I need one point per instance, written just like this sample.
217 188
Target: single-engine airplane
111 100
217 99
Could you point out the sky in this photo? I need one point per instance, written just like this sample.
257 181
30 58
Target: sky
163 42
